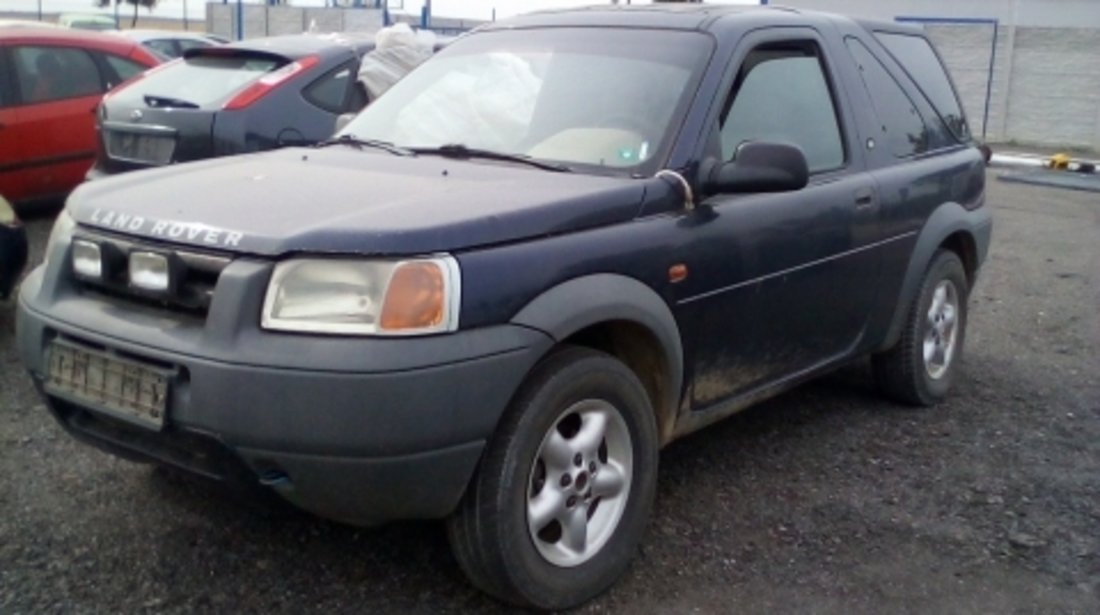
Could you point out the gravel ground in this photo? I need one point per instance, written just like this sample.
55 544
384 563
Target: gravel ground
826 499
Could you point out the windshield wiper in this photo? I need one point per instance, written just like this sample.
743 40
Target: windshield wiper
166 101
358 143
458 150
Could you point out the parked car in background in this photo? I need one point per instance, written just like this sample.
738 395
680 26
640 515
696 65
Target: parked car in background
51 81
87 21
13 248
169 43
244 97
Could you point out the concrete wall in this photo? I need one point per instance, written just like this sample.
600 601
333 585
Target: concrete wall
1027 13
1045 87
1054 94
263 20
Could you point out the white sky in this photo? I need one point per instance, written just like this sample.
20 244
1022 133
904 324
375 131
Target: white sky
467 9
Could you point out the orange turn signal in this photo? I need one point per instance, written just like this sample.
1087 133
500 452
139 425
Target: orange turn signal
415 298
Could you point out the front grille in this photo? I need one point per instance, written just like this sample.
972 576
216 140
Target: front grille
194 274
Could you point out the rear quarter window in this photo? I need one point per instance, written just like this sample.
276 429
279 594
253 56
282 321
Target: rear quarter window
200 81
329 92
901 125
123 68
916 56
165 46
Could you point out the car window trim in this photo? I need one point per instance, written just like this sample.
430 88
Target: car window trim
750 40
830 84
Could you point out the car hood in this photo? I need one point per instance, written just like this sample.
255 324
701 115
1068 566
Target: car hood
339 200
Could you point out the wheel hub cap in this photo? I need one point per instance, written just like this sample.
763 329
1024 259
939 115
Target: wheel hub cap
941 329
579 483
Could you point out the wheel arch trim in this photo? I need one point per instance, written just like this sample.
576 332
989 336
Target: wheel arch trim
593 299
947 220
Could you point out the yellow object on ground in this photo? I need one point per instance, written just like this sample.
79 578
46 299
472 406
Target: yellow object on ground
1059 161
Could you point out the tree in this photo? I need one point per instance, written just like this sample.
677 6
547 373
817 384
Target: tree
149 4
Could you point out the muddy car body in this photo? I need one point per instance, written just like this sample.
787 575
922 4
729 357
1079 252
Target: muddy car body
496 310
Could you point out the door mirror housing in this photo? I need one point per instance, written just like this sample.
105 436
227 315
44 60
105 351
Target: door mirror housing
760 166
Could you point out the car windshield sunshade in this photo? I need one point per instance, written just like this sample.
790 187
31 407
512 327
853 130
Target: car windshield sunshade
199 80
606 98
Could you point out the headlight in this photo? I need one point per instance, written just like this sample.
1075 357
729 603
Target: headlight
400 297
62 232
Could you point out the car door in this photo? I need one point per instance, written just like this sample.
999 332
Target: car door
790 277
59 88
12 174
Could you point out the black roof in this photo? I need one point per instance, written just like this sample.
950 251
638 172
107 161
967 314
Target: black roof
679 16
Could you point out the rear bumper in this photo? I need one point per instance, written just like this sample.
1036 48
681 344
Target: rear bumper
395 434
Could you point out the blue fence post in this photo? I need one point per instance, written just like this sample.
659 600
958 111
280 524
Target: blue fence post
240 21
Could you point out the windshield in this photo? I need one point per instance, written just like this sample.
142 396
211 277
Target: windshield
606 98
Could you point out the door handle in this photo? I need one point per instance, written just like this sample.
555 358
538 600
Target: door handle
864 197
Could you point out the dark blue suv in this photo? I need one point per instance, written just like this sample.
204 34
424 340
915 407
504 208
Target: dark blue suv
560 244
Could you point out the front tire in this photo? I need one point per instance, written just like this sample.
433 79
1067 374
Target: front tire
562 497
919 369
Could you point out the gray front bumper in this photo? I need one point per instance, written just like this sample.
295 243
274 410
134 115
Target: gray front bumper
355 429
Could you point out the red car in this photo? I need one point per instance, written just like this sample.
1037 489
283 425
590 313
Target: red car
50 83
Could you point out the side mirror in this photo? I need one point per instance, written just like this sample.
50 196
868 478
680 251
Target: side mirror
342 121
760 166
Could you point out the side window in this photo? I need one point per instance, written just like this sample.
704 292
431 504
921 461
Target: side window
55 73
186 43
781 94
165 46
329 91
7 95
123 68
901 123
916 56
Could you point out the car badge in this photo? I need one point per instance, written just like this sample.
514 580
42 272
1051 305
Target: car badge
136 115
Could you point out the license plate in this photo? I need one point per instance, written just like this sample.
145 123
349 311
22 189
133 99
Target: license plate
148 149
119 387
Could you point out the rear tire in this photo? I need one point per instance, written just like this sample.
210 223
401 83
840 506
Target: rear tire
920 368
538 529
